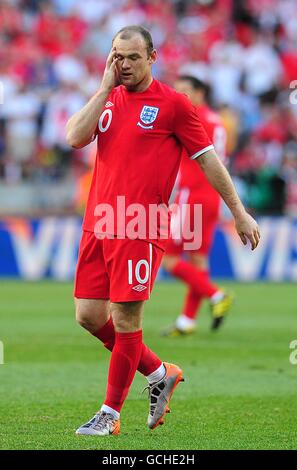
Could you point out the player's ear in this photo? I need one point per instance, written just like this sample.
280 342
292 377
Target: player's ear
153 56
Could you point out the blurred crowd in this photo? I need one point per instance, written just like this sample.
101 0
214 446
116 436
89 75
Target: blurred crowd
52 56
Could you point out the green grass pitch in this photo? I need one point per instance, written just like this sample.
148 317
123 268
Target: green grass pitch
239 393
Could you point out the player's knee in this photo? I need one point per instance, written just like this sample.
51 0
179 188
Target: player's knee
81 319
127 317
91 314
199 261
121 324
84 317
169 263
127 325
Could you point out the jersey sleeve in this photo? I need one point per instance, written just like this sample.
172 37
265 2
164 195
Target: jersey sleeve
188 129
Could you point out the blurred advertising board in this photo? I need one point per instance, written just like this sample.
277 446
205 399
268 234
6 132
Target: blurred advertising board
47 248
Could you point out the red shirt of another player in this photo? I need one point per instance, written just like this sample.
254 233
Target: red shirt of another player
140 140
191 175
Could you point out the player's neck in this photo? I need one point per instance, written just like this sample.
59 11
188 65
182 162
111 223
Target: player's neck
143 85
200 104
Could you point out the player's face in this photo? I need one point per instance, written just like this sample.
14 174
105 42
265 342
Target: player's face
134 64
185 86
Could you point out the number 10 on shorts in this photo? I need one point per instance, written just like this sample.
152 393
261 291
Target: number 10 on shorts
139 272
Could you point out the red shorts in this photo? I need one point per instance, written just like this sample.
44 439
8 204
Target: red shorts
121 270
210 204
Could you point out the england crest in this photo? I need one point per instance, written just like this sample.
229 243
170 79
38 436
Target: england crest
148 114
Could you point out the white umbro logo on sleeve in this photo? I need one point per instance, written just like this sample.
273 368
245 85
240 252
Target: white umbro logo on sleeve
108 104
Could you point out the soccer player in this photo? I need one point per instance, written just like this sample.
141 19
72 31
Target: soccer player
141 126
194 188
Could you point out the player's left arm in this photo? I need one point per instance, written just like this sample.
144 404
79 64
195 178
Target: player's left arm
220 179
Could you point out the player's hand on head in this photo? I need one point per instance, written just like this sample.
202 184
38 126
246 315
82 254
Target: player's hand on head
110 76
248 229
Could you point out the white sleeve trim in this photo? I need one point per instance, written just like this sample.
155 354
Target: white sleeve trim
197 154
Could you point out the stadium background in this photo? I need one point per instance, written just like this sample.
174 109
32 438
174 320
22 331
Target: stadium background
52 56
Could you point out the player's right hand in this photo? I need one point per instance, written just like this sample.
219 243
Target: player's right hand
110 76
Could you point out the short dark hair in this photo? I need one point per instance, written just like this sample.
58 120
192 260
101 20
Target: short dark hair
128 31
197 84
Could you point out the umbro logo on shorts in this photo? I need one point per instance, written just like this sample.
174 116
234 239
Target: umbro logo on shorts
139 287
108 104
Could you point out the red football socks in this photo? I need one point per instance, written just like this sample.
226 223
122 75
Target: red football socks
191 304
106 334
149 361
123 364
197 279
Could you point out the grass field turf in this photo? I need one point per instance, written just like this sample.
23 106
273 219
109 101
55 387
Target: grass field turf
240 389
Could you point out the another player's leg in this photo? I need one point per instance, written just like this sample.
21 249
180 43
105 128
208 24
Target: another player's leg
220 301
185 323
195 272
196 275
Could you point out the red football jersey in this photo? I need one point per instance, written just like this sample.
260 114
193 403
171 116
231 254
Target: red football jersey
140 141
190 174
